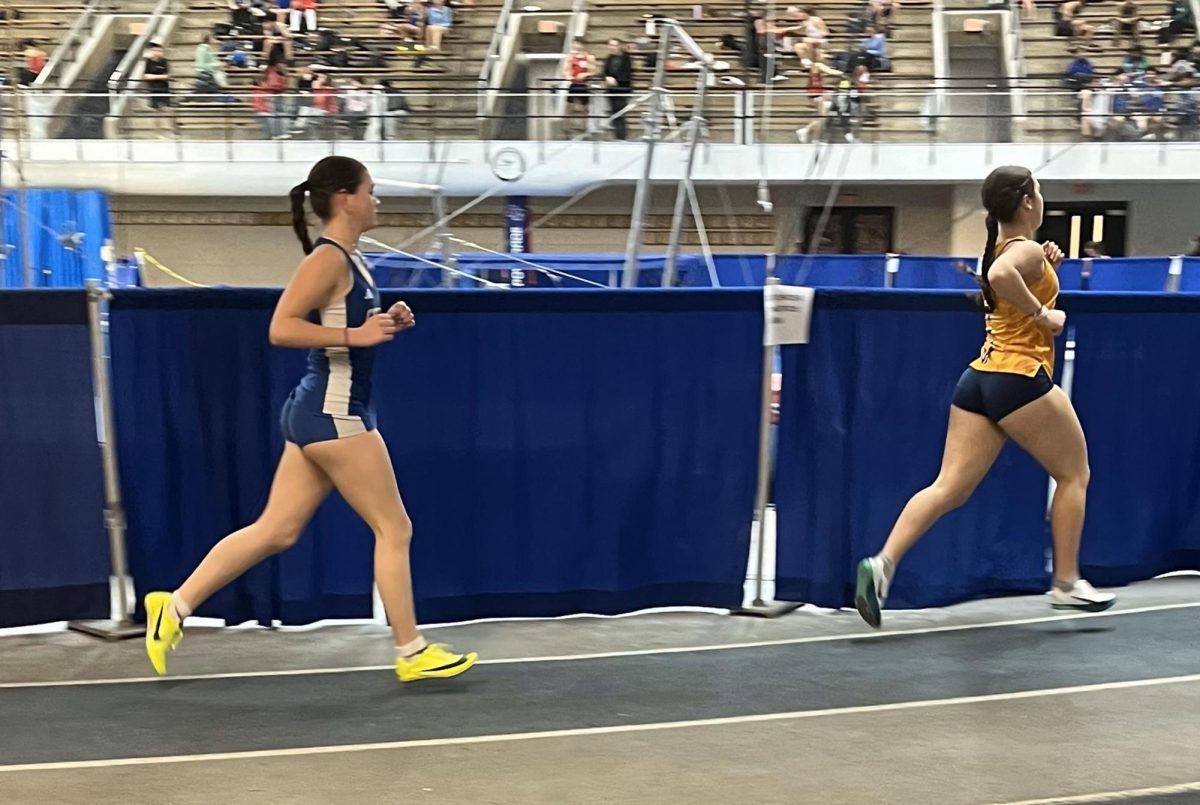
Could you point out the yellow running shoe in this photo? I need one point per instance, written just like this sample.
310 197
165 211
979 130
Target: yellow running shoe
435 661
163 632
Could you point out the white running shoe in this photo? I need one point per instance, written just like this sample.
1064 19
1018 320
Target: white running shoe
871 590
1083 597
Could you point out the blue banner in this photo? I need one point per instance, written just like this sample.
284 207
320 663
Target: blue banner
516 225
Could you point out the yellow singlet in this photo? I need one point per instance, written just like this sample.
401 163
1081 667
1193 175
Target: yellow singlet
1015 343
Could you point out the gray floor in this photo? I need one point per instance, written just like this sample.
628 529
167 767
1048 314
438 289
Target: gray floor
865 719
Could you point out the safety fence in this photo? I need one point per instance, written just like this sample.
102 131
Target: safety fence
576 451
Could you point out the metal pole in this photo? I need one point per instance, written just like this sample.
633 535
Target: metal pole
443 236
759 607
697 123
641 198
23 226
114 513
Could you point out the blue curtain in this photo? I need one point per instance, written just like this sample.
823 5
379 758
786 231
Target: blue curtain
934 272
1130 274
862 425
52 215
1136 394
558 452
1190 281
54 562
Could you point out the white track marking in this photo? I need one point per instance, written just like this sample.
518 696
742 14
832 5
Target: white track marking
1114 796
613 730
606 655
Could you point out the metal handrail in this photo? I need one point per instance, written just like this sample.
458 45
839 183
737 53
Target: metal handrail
488 68
73 37
131 68
127 67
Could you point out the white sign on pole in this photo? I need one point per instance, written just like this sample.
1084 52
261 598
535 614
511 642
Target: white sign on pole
787 312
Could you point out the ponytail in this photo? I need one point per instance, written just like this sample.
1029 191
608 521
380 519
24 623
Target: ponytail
988 297
330 176
299 219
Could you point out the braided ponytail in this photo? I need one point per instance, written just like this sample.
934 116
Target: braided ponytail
988 297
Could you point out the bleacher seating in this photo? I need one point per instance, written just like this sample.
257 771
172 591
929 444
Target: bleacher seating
426 84
1056 117
908 49
440 87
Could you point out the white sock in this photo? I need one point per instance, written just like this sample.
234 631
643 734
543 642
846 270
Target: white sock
410 650
179 608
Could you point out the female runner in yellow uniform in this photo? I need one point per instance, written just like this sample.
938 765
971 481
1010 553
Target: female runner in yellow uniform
1006 393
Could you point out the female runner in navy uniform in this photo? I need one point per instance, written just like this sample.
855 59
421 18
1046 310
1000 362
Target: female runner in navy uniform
331 308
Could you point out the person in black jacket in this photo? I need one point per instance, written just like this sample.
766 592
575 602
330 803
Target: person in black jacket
618 81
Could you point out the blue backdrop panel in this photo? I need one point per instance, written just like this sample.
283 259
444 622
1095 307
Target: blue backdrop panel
862 425
398 271
826 270
1190 281
1130 274
1136 395
934 272
1070 275
558 452
52 214
53 547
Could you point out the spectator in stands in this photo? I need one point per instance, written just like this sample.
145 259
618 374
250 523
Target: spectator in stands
1187 109
813 33
1080 71
875 45
578 69
1135 61
281 9
277 45
1153 104
817 75
268 100
439 18
410 25
618 81
317 109
157 76
862 83
1181 67
883 13
1068 24
1093 111
395 109
35 62
1128 22
1193 247
356 105
210 78
1179 20
304 12
247 16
